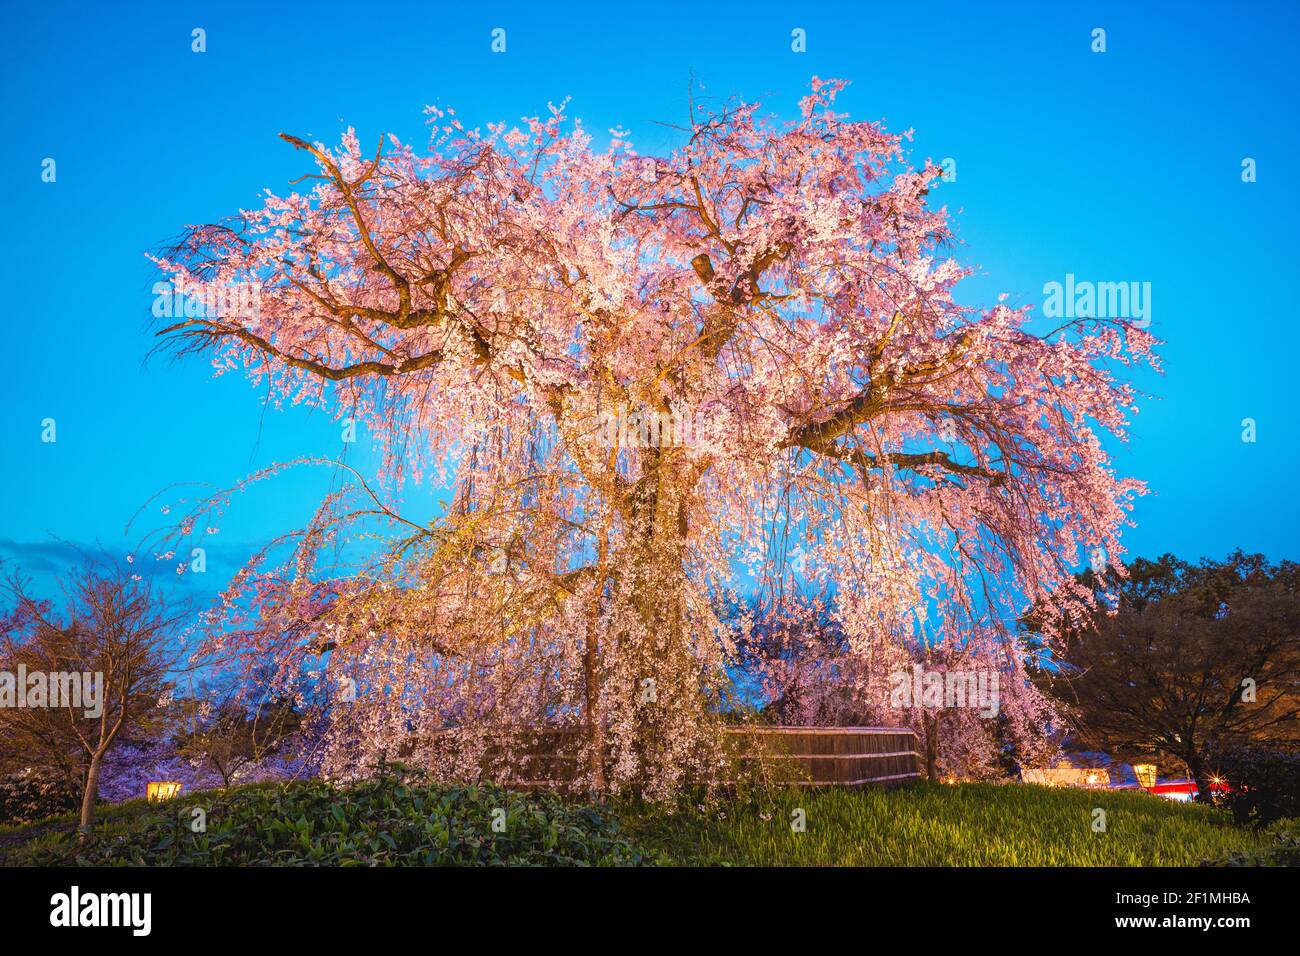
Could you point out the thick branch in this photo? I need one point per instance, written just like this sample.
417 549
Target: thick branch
213 330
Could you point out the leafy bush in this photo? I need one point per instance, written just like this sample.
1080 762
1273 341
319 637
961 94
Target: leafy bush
1265 783
1284 849
32 795
398 819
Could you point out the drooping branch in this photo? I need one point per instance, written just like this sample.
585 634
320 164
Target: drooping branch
216 330
499 312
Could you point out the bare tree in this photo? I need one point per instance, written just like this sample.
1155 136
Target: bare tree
237 726
115 641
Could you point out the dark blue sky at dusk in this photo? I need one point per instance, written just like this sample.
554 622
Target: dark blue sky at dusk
1123 166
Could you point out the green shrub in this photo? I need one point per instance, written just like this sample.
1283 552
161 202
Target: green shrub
399 819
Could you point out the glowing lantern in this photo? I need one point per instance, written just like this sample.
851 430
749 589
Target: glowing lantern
1146 774
161 790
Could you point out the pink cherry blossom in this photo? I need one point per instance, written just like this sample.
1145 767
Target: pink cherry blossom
485 306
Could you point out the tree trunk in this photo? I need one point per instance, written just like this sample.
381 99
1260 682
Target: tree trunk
657 659
90 792
591 664
1196 766
595 722
931 722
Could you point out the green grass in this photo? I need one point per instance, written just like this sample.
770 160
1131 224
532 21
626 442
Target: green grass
932 825
402 820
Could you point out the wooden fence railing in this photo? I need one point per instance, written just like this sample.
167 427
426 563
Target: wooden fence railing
831 756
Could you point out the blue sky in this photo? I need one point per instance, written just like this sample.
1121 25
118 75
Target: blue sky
1119 166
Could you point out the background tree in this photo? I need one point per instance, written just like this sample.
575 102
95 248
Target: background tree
1193 657
769 311
232 727
115 626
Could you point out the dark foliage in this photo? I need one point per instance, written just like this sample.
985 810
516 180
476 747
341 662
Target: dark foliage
30 795
1265 783
395 819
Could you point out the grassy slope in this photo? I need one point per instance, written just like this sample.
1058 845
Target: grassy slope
414 824
930 825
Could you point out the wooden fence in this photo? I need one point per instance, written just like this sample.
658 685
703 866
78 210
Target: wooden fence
829 756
